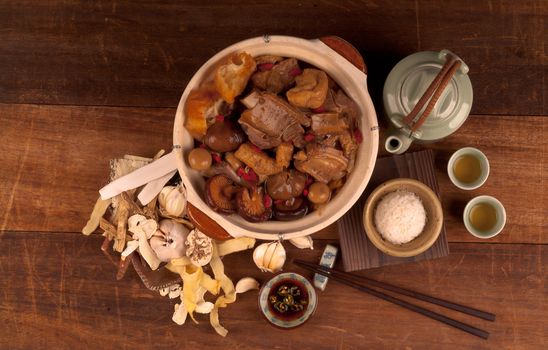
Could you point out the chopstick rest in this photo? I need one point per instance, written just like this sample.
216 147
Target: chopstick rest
328 260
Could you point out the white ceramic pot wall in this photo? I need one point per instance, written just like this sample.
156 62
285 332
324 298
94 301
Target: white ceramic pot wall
353 82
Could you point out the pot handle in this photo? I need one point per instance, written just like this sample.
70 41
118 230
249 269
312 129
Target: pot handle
206 224
346 50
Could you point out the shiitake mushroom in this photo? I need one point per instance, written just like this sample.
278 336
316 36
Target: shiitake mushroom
286 184
251 206
224 136
220 192
291 209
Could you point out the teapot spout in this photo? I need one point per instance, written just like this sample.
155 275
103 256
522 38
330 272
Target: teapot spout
397 142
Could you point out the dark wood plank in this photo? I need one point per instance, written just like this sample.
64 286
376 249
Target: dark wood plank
59 291
124 53
55 159
503 44
143 54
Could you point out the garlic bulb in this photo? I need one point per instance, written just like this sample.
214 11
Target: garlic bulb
172 200
269 256
169 241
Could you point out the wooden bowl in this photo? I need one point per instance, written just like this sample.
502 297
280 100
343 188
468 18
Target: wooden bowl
434 218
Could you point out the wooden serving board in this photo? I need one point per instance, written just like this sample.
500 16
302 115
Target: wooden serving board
358 252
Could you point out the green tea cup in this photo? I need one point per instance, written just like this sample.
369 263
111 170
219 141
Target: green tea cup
499 223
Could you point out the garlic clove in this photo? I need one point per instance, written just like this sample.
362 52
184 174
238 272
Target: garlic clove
277 260
258 255
172 200
269 257
246 284
303 242
163 194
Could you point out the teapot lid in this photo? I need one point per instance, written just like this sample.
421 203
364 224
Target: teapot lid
408 81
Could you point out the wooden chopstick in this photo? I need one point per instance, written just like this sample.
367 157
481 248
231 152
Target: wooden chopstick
347 279
425 297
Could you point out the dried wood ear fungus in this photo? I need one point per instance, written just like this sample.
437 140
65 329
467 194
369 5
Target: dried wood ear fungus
231 78
311 89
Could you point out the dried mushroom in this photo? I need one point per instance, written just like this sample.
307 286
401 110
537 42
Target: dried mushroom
291 209
286 184
224 136
253 205
220 192
311 89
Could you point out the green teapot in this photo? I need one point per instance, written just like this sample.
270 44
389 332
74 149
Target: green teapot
406 84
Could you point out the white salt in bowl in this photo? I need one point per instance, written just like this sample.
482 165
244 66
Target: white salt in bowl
348 77
431 230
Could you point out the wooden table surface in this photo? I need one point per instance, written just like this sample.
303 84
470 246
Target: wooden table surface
82 82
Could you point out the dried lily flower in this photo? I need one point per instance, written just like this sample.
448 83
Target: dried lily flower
172 200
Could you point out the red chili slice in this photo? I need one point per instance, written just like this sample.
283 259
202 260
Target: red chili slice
265 66
358 137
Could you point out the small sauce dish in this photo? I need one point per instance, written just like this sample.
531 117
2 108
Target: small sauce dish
287 300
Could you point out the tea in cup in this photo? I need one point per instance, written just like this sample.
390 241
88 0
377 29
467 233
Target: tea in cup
468 168
484 217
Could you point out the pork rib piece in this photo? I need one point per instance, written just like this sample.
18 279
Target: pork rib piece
269 120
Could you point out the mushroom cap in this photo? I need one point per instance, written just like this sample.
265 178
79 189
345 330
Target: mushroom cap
250 204
220 192
286 184
224 136
291 209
